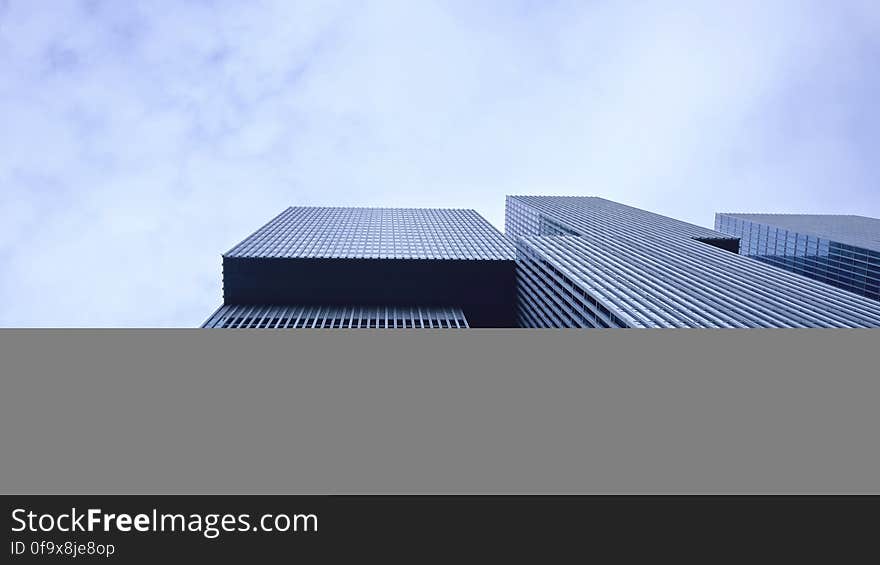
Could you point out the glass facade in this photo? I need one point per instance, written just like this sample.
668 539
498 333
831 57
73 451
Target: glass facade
592 263
376 233
267 316
843 251
564 262
336 267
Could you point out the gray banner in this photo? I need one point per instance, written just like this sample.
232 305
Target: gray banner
439 411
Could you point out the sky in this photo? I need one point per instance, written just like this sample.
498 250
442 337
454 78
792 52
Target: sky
141 140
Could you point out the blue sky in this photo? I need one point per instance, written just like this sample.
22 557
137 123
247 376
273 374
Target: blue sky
140 140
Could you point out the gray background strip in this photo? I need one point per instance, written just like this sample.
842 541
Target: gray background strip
439 411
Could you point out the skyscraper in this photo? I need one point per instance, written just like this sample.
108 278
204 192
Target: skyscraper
843 251
590 262
369 267
564 262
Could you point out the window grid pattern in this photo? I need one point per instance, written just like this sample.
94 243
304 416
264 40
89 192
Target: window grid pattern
589 262
812 246
273 316
376 233
531 215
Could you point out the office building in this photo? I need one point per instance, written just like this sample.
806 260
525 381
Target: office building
843 251
324 267
564 262
589 262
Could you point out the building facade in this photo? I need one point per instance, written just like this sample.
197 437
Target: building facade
589 262
843 251
564 262
369 267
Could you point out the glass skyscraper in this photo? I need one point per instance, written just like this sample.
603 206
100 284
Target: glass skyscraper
843 251
564 262
589 262
325 267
